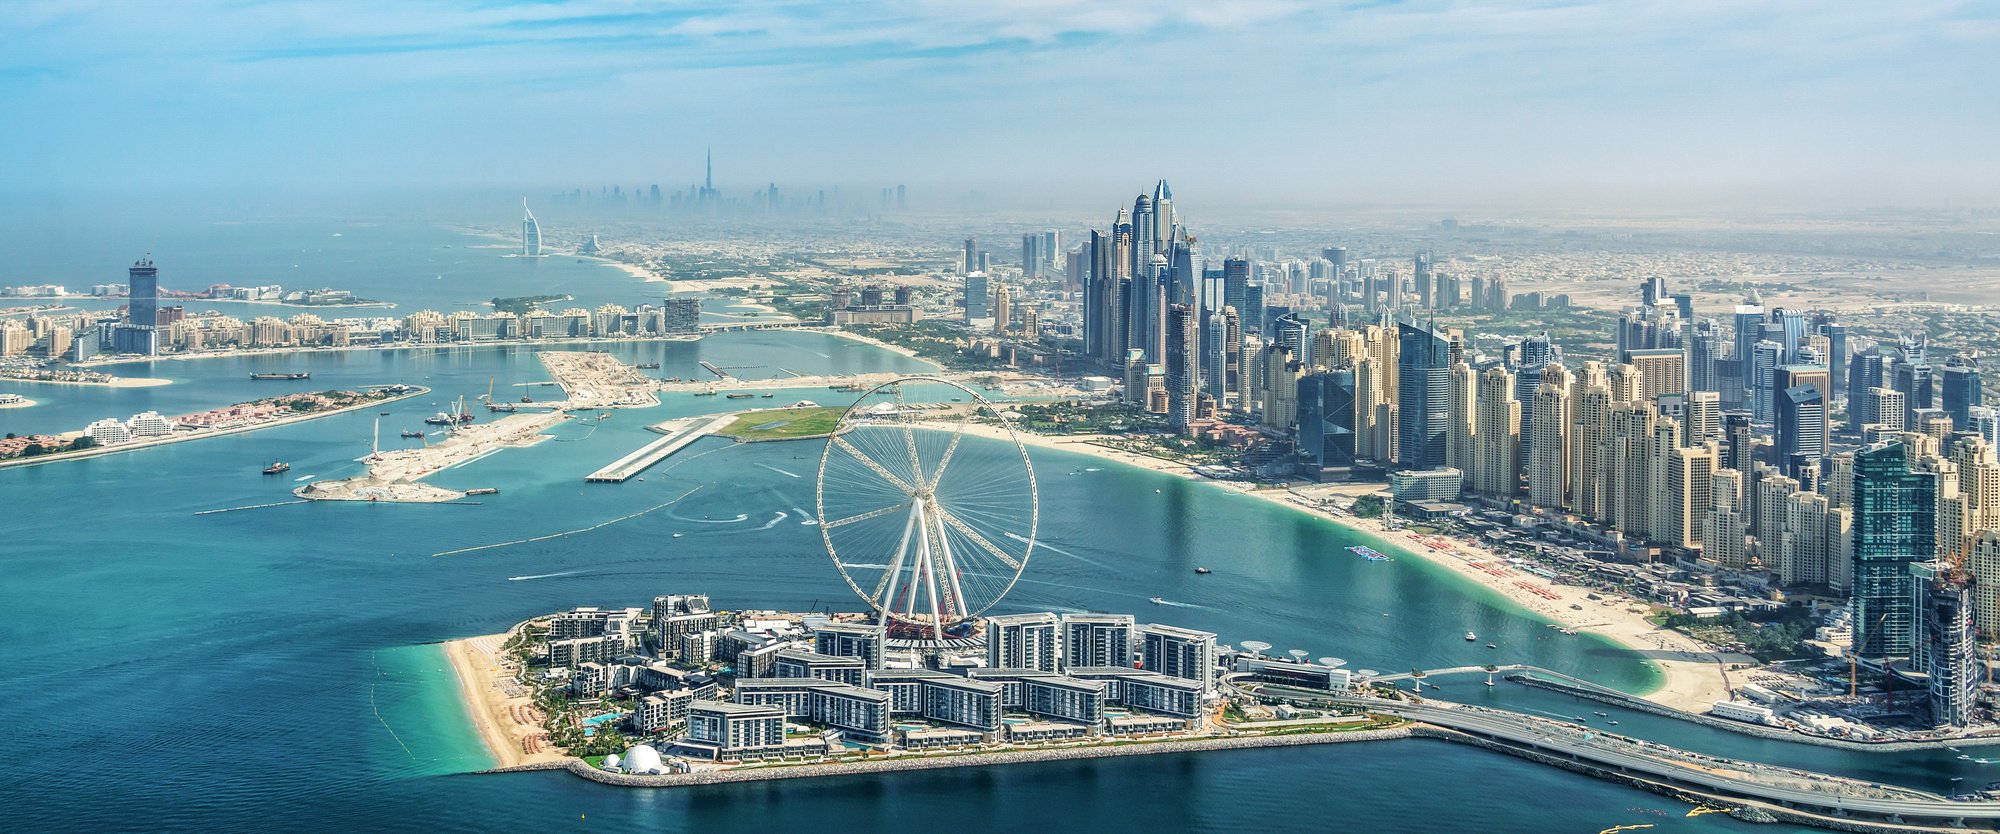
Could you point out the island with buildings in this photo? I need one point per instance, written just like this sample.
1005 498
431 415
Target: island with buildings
149 428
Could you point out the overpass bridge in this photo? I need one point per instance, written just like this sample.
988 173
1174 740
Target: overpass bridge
1799 796
799 324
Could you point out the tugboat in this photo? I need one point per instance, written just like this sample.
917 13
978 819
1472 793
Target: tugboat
1203 570
277 467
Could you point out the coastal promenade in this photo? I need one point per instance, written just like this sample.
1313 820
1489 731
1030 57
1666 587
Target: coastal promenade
932 761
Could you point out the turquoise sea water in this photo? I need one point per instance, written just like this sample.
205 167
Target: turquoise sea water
276 669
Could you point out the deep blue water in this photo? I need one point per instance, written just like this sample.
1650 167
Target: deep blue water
276 669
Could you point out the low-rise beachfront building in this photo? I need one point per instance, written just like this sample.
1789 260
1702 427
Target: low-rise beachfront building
1049 695
805 663
661 711
866 641
963 701
1293 673
734 731
941 697
570 653
1149 691
697 647
1022 732
149 424
1179 653
108 432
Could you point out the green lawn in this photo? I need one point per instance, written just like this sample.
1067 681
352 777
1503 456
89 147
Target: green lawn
783 424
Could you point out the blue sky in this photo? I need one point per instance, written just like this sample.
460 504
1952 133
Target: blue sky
1577 103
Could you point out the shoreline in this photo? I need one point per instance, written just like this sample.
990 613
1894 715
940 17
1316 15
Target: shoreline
870 340
484 704
287 351
1691 678
138 445
983 759
24 403
120 382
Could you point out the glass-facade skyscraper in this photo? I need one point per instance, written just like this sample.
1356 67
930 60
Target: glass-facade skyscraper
1326 419
1423 395
1895 526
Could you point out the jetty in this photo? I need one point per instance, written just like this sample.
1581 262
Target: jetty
679 433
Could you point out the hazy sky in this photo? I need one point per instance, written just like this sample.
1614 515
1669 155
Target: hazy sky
1530 103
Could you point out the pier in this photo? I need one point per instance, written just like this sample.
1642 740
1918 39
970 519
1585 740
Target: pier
678 438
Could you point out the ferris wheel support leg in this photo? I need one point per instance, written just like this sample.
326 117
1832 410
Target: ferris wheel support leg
895 571
950 573
927 557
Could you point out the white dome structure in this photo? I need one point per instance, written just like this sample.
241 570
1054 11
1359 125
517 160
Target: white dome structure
643 759
611 762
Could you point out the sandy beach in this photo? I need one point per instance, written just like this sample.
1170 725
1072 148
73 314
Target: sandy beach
1693 675
23 403
870 340
489 692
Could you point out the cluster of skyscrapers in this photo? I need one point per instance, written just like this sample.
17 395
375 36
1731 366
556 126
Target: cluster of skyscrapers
1714 442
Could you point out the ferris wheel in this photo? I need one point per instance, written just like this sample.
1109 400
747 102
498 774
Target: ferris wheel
929 531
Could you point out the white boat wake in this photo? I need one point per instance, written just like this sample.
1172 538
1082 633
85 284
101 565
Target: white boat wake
782 515
777 470
543 576
1041 545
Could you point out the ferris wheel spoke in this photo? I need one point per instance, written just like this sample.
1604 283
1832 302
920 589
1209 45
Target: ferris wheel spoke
867 515
950 449
877 468
966 530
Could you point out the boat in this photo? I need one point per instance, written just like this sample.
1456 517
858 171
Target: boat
650 366
604 415
740 396
704 393
1600 713
300 375
1470 637
527 399
382 413
1614 723
483 491
502 407
1491 646
1203 570
277 467
1372 555
445 418
677 534
413 433
768 396
1156 601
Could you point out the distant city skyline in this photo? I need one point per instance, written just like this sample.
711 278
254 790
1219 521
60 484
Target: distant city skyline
1270 102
